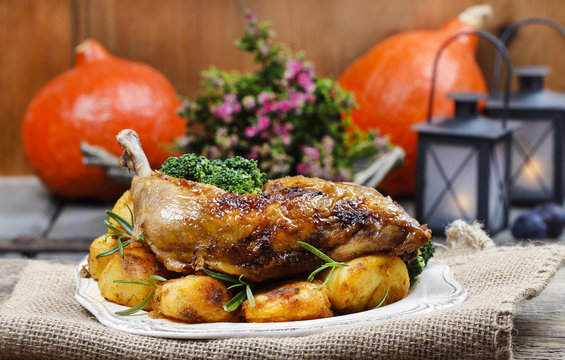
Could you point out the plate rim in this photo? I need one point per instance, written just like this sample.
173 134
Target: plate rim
141 324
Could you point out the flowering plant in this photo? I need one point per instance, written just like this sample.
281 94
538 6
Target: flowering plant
281 115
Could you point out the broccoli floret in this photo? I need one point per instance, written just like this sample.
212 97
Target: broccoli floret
236 175
187 166
416 266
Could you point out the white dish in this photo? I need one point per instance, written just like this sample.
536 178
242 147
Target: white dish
437 289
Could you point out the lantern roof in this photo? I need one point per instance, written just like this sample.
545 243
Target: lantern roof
466 122
531 94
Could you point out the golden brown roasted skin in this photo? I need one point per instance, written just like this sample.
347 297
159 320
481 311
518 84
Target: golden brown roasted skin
191 225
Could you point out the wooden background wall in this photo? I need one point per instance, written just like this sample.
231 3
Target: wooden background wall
183 37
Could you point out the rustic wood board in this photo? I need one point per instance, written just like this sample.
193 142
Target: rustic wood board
26 209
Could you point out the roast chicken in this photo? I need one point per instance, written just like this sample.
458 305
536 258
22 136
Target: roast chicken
190 225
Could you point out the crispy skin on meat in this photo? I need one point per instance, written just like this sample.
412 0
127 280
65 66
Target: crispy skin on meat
191 225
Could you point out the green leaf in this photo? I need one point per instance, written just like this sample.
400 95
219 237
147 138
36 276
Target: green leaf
315 251
250 295
112 250
138 307
219 276
121 247
327 278
134 282
235 301
383 299
157 277
315 272
235 286
111 226
329 263
120 220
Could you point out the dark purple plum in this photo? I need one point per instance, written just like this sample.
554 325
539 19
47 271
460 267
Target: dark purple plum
529 226
553 215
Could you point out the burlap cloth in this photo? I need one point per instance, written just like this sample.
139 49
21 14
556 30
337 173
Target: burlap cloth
41 318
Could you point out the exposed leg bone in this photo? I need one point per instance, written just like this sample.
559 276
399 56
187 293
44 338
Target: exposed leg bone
133 157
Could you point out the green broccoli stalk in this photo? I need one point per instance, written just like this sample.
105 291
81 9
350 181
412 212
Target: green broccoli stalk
236 175
416 266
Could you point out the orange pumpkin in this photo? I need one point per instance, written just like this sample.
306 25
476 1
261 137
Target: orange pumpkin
392 83
92 102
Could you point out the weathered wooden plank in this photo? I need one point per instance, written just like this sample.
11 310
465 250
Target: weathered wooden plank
62 257
535 348
26 208
32 245
540 323
79 221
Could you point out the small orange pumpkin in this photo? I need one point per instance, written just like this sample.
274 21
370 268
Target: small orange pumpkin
92 102
392 84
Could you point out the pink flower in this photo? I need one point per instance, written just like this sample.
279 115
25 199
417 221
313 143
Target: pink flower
250 131
263 123
254 153
214 152
306 82
263 97
250 15
291 68
284 105
222 110
267 107
285 139
248 102
311 152
263 48
252 30
302 169
230 98
217 82
297 100
328 144
277 128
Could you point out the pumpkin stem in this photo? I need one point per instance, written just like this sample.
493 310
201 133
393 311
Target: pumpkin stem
90 51
476 15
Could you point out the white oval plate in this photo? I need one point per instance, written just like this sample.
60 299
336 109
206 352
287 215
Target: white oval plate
437 289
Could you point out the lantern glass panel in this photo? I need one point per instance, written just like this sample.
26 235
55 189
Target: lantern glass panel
497 194
532 161
451 178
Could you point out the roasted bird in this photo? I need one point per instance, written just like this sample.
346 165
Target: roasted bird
190 225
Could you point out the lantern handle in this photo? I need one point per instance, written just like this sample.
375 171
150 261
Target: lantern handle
507 34
501 49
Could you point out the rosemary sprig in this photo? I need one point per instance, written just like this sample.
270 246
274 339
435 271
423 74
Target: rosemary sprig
144 302
330 263
383 299
119 234
240 297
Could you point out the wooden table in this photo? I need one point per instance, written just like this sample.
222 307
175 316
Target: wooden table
34 224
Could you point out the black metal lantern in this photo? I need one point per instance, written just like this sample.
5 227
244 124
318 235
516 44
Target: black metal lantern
537 150
463 162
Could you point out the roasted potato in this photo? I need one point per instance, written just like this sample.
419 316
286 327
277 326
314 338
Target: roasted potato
297 300
193 299
138 264
362 285
121 208
104 243
98 246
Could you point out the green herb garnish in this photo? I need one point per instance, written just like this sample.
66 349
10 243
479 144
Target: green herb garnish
383 299
330 263
144 302
119 234
240 297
